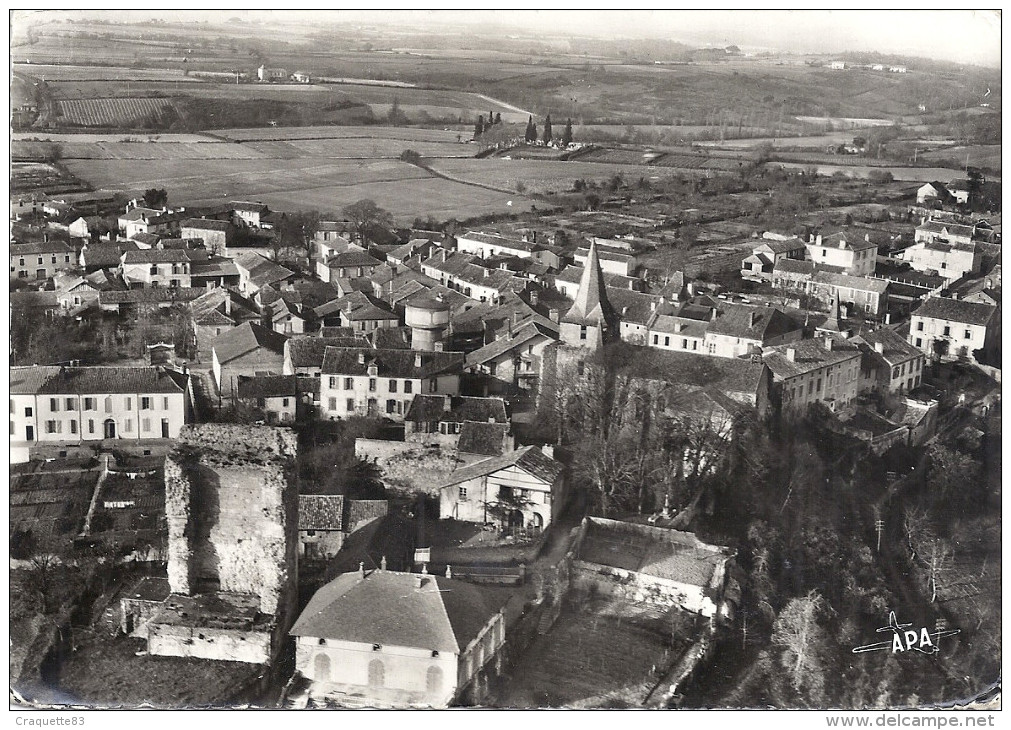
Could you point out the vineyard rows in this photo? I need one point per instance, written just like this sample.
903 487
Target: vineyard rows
108 112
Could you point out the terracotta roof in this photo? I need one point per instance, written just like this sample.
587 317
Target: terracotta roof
956 310
729 375
809 355
267 386
632 306
432 408
206 224
528 458
390 363
36 247
244 339
860 283
106 254
352 258
262 270
34 299
832 240
320 512
400 609
795 266
307 351
503 345
484 438
152 294
208 307
750 322
96 380
777 246
362 510
156 256
896 349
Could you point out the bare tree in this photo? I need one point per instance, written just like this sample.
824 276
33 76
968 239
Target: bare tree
796 630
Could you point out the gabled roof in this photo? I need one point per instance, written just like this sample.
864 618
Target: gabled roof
632 306
809 355
151 295
478 437
105 255
591 306
208 307
751 322
206 224
860 283
782 246
432 408
519 338
307 351
400 609
320 512
794 266
157 256
389 363
352 258
30 380
956 310
528 458
136 214
246 338
895 348
495 239
267 386
262 270
97 380
248 207
391 338
833 240
36 247
34 300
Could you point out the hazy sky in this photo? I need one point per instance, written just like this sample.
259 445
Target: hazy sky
964 36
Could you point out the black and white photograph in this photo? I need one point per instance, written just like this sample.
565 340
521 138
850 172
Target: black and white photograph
504 359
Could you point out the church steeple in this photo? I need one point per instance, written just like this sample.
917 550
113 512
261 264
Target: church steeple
834 321
591 320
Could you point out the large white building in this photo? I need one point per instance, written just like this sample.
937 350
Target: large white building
359 381
54 405
823 370
950 328
853 256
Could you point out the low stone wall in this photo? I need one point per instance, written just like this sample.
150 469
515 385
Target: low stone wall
408 466
252 647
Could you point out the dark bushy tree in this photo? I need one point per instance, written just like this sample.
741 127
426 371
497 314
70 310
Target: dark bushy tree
567 134
547 129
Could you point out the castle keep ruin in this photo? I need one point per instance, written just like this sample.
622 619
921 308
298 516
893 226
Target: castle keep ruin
231 503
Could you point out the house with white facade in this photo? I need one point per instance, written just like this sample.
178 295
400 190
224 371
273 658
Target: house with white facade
358 381
69 406
821 370
527 484
40 259
949 260
890 364
157 267
388 639
851 255
949 328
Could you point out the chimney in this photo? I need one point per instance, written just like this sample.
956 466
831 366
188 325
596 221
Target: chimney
447 404
419 581
712 317
817 240
491 419
534 297
678 326
438 346
791 354
954 296
361 570
361 358
417 359
553 314
382 563
752 318
829 343
624 311
449 571
842 243
879 347
228 304
487 273
652 306
548 450
443 255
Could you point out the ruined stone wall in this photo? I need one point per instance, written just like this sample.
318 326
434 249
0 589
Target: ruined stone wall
232 513
231 645
410 466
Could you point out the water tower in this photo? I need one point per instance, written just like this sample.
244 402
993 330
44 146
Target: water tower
428 318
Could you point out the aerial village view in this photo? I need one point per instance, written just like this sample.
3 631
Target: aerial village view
505 359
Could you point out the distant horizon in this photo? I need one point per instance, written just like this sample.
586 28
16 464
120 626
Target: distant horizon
970 37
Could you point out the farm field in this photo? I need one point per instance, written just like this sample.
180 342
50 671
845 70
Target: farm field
941 174
107 112
538 175
210 150
66 71
410 134
980 155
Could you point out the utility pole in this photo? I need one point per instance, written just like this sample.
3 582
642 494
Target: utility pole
879 526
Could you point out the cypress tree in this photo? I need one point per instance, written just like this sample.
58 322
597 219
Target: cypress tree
479 126
498 118
567 134
531 135
547 129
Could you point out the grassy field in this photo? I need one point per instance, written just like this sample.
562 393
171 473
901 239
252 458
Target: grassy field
980 155
539 175
410 134
110 75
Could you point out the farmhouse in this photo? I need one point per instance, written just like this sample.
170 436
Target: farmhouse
764 257
934 194
157 267
249 214
277 397
348 264
357 311
951 261
40 259
303 355
217 311
215 234
889 364
399 640
442 419
527 485
852 256
512 362
256 271
132 301
612 260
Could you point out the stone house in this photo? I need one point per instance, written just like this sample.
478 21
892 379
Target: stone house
952 328
54 405
527 479
822 370
441 419
513 361
890 363
320 525
399 640
763 259
373 382
40 259
248 349
276 396
158 267
850 255
215 234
